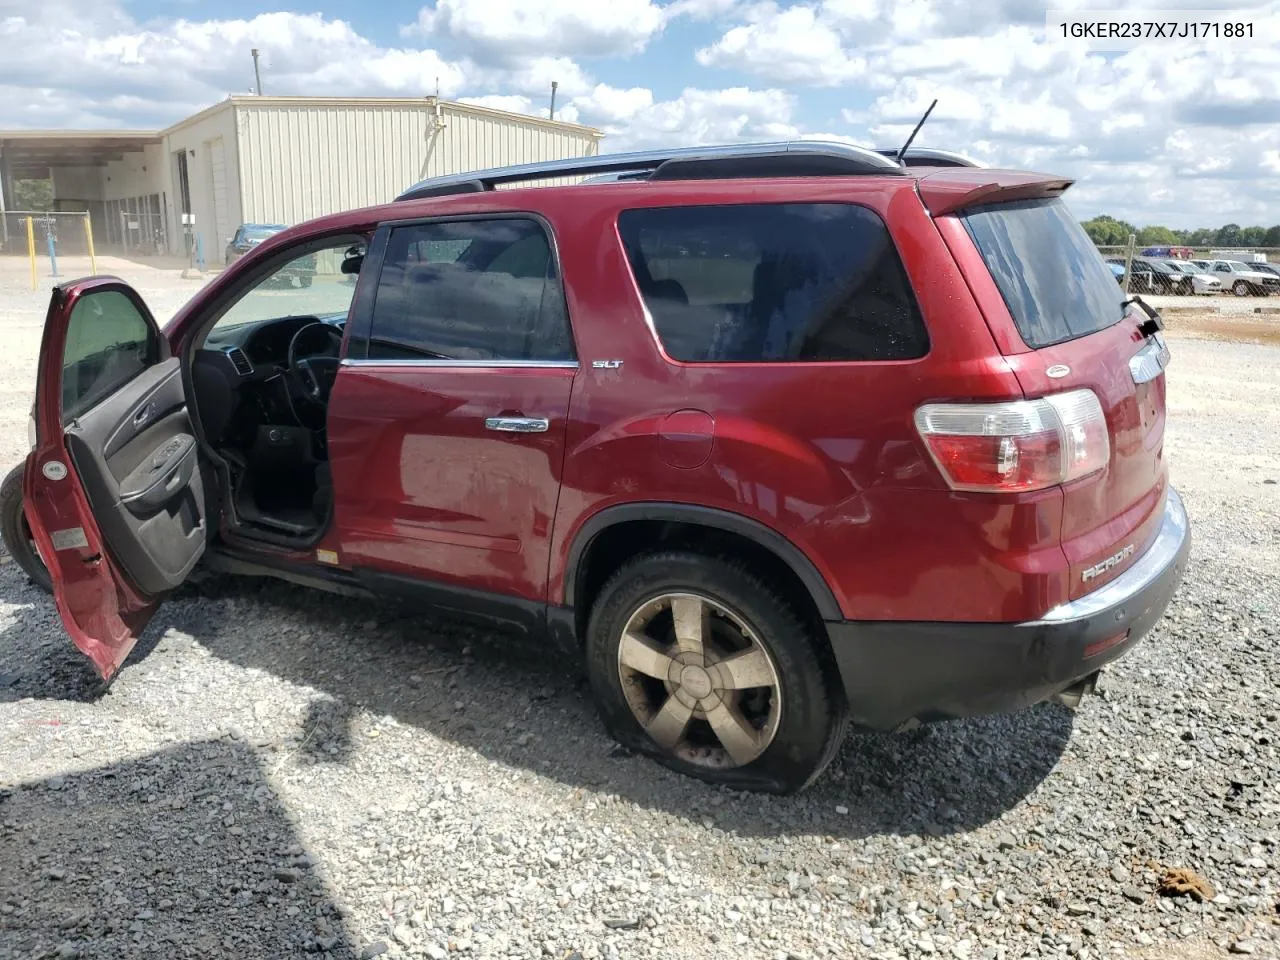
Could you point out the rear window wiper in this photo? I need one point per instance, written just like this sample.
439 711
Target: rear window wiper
1153 324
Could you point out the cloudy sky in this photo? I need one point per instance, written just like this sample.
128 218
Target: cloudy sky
1180 135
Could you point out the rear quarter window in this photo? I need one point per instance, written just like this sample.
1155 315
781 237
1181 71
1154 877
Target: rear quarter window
1053 280
770 283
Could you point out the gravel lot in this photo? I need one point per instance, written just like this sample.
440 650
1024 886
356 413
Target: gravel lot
277 772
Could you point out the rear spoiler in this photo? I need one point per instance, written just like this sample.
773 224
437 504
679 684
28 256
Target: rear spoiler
956 188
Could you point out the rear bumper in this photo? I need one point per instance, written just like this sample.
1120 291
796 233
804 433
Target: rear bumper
896 672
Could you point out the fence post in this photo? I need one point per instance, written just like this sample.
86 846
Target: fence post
31 249
1128 263
88 237
52 245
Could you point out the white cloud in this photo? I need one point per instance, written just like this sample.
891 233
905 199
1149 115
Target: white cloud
111 71
792 45
1199 120
699 9
633 119
504 30
1179 135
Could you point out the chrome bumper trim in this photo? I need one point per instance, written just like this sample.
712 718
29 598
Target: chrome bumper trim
1146 571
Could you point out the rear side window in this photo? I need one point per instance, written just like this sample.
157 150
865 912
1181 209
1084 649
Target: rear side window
470 290
773 283
108 343
1053 279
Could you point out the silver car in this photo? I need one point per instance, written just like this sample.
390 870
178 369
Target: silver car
1243 279
1202 281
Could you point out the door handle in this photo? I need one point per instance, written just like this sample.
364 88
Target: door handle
142 416
517 424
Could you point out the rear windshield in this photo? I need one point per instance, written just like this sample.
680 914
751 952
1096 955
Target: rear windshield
1053 279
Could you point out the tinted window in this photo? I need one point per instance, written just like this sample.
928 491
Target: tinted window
773 282
109 342
470 290
1052 278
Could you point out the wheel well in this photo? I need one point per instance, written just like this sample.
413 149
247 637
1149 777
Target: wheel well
618 543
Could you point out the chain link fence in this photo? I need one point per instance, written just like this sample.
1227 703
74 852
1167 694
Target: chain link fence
67 230
133 226
1272 254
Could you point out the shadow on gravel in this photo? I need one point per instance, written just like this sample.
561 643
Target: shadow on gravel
506 699
182 853
36 657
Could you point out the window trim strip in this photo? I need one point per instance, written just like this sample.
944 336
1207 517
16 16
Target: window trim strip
468 364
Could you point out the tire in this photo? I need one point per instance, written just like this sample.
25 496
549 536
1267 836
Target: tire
796 722
16 535
1240 288
305 280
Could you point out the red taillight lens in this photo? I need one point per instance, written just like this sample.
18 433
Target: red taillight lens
1016 445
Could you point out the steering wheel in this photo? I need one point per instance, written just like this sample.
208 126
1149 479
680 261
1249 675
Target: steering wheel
316 374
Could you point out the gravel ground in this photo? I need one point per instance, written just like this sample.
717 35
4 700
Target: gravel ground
277 772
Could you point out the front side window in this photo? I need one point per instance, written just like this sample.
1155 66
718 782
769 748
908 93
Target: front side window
109 342
311 284
470 290
795 282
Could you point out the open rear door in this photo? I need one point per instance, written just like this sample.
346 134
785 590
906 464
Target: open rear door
113 486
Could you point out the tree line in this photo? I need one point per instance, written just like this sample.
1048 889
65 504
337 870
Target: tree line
1109 232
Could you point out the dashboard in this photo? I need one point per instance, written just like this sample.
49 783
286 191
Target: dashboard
240 373
265 344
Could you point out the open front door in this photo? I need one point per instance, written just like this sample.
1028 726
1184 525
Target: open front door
113 486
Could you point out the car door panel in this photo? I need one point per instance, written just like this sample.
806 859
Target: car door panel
136 454
425 488
448 419
113 486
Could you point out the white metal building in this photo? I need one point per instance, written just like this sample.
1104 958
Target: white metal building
253 159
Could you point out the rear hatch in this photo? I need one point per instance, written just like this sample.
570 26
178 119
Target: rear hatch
1074 331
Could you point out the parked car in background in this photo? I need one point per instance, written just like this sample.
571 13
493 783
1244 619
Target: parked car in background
1245 279
609 417
1155 276
1117 270
1202 282
1178 253
301 273
248 236
1267 267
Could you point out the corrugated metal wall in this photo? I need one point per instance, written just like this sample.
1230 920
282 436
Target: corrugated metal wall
300 160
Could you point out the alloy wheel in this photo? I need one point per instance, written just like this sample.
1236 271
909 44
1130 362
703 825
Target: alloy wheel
699 680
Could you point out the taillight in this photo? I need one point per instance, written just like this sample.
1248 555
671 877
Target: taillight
1016 445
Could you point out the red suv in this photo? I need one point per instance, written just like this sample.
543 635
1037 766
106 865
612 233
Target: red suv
774 437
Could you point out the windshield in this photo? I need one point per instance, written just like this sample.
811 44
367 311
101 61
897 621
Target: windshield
1055 283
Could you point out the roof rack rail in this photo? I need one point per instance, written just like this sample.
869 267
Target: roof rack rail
792 158
925 157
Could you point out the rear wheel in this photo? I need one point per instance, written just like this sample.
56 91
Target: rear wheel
16 532
1240 288
701 664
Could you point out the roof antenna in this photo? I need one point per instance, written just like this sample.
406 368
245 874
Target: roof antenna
903 152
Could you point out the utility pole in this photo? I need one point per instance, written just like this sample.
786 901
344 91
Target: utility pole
257 75
554 86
